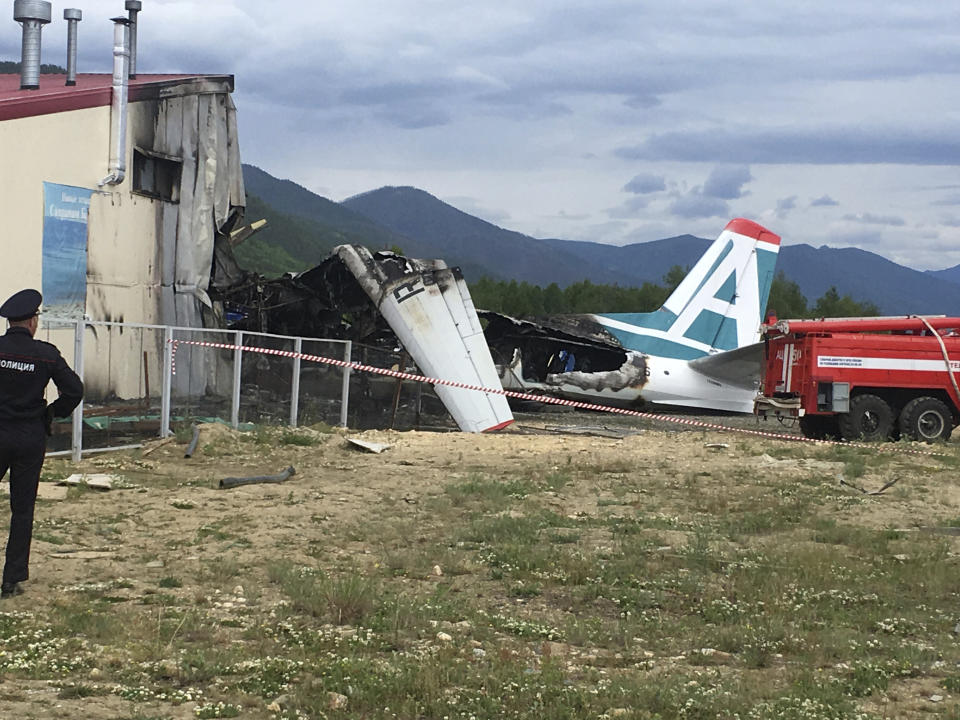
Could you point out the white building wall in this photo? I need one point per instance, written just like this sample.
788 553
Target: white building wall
133 258
69 148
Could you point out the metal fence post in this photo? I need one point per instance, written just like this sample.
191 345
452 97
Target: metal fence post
237 360
166 387
295 385
345 388
76 444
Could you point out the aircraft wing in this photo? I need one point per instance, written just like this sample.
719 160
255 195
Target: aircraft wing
429 308
741 366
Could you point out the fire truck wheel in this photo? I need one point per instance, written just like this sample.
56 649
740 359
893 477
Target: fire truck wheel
926 419
870 418
819 427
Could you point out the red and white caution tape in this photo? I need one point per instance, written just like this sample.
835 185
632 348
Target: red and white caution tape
883 447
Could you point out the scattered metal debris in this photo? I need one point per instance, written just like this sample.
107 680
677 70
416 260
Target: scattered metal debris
369 446
232 482
159 444
941 530
82 554
613 433
95 481
868 492
192 447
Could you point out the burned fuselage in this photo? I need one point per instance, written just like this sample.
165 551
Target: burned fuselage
569 355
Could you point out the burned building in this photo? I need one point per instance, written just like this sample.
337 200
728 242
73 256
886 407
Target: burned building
115 187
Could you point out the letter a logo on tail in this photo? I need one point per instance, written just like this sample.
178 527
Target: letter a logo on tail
718 306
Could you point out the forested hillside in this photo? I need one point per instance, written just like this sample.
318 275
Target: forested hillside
521 299
519 275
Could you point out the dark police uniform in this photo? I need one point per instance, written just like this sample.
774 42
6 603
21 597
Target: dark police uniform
26 366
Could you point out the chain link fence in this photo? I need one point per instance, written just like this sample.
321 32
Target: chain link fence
131 393
146 381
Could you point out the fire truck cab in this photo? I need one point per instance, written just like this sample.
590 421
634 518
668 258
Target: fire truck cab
863 378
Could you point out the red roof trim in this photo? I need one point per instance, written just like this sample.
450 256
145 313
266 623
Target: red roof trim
91 90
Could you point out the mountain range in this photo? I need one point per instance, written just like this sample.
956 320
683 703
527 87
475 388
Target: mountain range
304 226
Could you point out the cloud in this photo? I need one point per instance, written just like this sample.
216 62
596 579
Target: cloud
646 183
947 201
695 204
571 217
631 208
643 102
856 238
472 206
817 146
785 205
871 219
414 118
823 201
726 182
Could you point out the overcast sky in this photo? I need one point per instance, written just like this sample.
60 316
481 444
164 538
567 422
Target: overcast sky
616 122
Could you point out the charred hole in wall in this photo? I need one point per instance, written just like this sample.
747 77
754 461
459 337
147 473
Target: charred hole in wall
156 175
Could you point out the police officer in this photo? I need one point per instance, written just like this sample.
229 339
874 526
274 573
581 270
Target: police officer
26 366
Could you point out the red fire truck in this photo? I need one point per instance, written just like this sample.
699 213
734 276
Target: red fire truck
864 378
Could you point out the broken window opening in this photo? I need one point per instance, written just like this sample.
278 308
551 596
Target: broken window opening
156 175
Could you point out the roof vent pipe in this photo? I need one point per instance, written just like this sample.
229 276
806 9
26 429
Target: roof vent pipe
32 15
133 7
118 111
72 16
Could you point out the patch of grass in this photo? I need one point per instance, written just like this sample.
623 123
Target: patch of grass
81 690
556 480
48 537
492 493
344 599
856 460
520 590
565 537
951 683
502 530
170 582
219 571
183 432
86 620
290 436
763 515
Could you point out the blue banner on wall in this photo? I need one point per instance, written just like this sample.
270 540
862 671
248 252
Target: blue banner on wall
65 210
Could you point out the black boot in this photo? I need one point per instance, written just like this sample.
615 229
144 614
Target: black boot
8 590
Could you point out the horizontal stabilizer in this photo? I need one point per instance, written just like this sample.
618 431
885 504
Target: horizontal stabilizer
740 367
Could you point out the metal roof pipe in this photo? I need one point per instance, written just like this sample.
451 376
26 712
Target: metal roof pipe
133 7
32 15
118 110
73 16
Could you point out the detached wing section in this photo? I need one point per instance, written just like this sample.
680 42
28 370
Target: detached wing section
740 367
429 308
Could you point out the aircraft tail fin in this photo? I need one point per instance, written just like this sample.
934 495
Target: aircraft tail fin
718 306
722 299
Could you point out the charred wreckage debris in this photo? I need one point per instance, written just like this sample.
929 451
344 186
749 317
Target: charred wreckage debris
326 301
558 350
349 295
391 307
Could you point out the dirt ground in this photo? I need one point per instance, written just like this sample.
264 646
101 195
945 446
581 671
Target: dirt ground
135 531
171 497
